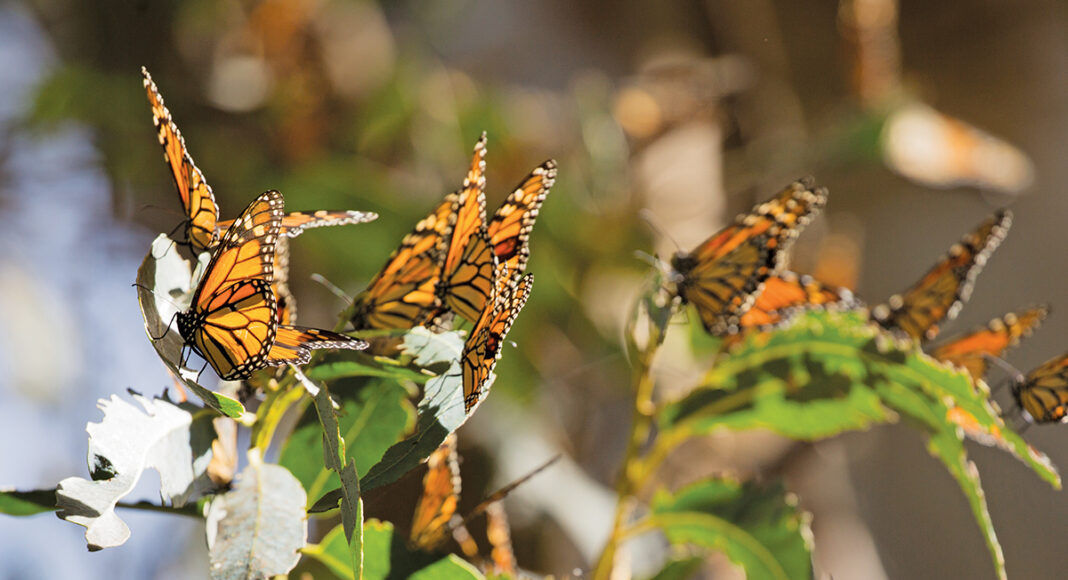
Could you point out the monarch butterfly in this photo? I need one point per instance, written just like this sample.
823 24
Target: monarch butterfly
787 293
509 230
441 496
403 293
1043 393
483 346
725 274
448 259
233 319
941 293
203 227
468 258
969 351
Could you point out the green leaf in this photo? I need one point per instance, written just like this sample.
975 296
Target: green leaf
829 372
334 457
170 278
129 440
377 416
451 567
679 569
386 556
27 503
256 529
758 528
371 367
441 411
808 381
948 447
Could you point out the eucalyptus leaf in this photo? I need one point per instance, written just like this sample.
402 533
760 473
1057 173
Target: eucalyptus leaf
440 412
256 530
129 440
164 288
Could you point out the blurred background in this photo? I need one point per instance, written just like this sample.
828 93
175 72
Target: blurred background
921 118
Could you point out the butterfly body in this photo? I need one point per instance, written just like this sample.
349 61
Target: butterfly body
724 275
1043 393
233 320
203 230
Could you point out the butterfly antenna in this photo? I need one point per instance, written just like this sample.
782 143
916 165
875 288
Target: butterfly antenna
504 491
157 295
331 287
1018 378
654 224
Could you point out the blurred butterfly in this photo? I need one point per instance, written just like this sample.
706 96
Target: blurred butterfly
725 274
441 496
785 294
483 345
436 513
502 556
1043 393
971 350
233 319
941 293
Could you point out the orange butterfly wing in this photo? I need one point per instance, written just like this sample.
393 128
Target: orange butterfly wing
468 259
293 344
1044 392
483 346
403 293
941 293
198 201
509 229
723 276
787 293
968 351
294 223
441 496
233 316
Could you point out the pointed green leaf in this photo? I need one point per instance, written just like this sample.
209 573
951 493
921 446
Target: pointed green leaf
758 528
375 418
27 503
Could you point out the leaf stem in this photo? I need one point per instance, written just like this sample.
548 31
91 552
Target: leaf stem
192 510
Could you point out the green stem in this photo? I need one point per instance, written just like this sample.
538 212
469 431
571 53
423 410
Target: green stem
192 510
641 425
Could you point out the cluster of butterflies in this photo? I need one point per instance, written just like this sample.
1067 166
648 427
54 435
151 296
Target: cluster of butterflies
736 282
455 262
